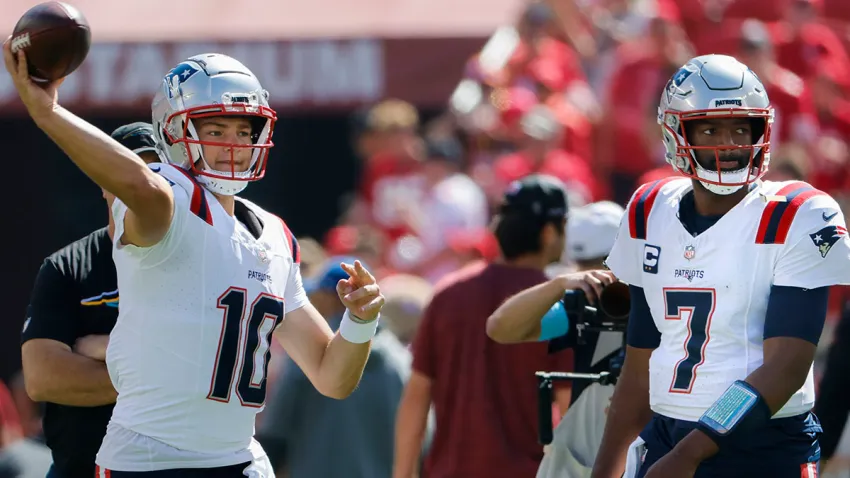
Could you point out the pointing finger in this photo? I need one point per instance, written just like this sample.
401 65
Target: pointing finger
349 269
363 274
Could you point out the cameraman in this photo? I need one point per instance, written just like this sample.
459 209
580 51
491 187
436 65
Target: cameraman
538 314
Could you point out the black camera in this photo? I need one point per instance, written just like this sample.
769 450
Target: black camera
609 313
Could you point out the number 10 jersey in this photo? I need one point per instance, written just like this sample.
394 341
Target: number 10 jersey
189 352
708 294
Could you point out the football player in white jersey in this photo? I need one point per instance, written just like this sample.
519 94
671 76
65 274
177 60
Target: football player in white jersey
729 281
206 278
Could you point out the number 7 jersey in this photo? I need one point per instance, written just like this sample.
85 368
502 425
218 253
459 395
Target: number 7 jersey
189 353
708 294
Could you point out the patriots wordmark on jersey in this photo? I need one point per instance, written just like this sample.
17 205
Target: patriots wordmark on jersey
189 353
708 293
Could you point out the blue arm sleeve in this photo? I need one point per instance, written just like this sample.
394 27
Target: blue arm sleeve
642 332
796 312
555 323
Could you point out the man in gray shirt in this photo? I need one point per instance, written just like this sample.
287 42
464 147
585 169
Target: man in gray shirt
309 435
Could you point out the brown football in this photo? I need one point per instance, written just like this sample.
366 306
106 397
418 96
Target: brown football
55 37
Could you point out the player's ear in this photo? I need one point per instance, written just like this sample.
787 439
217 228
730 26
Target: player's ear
548 234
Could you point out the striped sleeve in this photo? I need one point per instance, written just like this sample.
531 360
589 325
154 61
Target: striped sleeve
810 228
630 252
641 205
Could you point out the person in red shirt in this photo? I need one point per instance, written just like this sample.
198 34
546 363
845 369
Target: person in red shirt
831 151
795 115
540 154
390 145
624 146
484 393
802 39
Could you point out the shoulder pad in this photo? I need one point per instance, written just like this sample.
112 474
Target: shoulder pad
644 198
177 176
783 205
271 220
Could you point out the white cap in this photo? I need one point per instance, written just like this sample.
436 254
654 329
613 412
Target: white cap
591 230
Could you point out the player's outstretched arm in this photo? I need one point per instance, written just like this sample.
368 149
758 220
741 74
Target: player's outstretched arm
109 164
524 317
334 363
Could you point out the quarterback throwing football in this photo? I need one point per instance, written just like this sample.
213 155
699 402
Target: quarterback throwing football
206 278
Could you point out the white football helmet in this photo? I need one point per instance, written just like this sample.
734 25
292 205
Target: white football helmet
715 86
204 86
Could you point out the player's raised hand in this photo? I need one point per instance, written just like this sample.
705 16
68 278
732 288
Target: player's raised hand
360 292
39 98
591 282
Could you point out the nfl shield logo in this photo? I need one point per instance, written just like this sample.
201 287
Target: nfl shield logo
263 255
690 252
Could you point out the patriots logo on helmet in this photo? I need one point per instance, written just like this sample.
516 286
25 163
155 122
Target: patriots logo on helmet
179 74
827 237
676 81
681 76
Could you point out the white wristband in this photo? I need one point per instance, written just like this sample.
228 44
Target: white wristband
357 332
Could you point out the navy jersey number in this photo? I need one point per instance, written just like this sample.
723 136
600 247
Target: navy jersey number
698 305
247 335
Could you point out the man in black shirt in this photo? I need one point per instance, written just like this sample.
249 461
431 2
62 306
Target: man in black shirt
73 307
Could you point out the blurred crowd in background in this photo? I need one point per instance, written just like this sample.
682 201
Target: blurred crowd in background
570 90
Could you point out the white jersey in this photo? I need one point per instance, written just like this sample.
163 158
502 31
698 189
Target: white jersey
708 294
189 352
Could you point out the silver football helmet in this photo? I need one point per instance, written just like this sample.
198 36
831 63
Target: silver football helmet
212 85
715 86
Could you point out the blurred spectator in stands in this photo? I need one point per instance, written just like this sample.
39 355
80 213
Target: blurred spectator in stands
539 152
789 162
301 426
451 204
362 241
542 40
831 152
795 119
388 142
30 412
628 143
802 39
19 457
406 298
614 22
